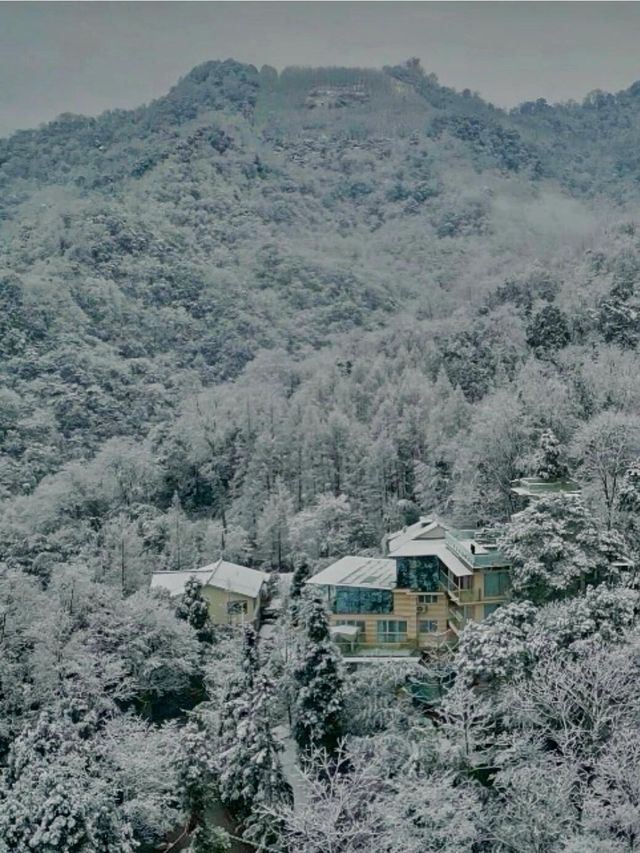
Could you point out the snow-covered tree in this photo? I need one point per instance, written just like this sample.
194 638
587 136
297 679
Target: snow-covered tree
318 681
629 494
548 460
300 575
249 773
497 648
369 800
324 529
54 797
468 725
273 540
553 548
193 608
605 448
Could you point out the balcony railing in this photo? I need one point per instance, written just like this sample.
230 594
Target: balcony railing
462 596
457 542
406 648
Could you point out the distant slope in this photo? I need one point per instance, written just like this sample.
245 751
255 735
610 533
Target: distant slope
146 252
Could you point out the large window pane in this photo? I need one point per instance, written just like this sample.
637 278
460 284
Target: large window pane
496 583
351 599
418 573
391 631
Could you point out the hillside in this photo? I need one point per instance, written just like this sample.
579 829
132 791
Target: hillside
326 217
269 318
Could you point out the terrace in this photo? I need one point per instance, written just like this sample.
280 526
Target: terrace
477 548
535 487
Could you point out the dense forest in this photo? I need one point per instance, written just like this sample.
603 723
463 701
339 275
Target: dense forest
271 317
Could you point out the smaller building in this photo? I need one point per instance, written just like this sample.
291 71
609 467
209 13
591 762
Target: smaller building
233 593
533 488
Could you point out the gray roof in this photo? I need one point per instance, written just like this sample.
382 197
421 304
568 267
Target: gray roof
535 487
371 572
427 529
221 575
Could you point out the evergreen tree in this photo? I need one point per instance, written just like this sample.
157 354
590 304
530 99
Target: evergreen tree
619 316
273 541
628 517
629 494
318 682
548 330
53 797
250 779
194 609
301 574
554 548
549 465
234 702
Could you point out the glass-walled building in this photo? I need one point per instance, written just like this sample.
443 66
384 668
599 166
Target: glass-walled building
418 595
429 583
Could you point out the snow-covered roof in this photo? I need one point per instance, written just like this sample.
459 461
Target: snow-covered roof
427 529
535 487
175 582
371 572
221 575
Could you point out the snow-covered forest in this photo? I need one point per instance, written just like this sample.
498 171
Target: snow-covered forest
271 317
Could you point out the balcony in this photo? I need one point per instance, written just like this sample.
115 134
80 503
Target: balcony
486 556
460 596
403 649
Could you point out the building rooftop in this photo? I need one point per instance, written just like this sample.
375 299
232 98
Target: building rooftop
222 575
534 487
476 548
426 528
371 572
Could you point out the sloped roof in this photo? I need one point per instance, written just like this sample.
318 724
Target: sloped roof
175 582
370 572
427 529
221 575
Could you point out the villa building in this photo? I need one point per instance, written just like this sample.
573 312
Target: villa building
233 593
430 581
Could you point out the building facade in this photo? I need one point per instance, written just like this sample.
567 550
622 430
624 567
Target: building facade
233 593
431 580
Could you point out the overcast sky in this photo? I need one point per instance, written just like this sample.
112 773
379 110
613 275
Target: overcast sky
87 57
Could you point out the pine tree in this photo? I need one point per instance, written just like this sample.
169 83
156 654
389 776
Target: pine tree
193 609
273 541
250 779
318 682
240 686
298 581
548 330
629 494
549 465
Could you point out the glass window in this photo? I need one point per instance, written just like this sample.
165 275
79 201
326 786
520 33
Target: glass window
427 599
489 609
236 607
418 573
391 631
353 599
428 626
496 583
